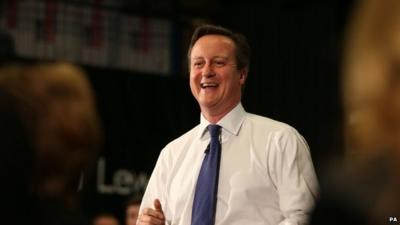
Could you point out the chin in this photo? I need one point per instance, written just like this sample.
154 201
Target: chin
207 104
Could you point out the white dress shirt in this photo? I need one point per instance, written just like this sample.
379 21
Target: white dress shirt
266 174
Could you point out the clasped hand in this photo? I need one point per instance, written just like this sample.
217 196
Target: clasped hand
152 216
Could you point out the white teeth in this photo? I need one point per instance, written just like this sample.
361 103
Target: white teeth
206 85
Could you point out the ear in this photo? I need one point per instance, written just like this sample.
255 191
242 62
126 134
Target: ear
243 76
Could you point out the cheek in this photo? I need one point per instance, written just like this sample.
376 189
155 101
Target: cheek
233 81
194 81
195 75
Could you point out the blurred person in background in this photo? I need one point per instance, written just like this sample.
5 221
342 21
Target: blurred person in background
365 187
16 161
57 137
105 219
132 210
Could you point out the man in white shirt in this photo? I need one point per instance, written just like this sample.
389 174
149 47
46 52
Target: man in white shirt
266 174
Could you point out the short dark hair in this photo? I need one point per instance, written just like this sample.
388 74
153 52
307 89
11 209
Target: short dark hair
242 48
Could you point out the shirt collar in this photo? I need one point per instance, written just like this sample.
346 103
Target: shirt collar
230 123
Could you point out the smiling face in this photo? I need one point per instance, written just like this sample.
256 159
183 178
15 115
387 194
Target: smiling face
215 80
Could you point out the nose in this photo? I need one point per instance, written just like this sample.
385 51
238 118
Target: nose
208 70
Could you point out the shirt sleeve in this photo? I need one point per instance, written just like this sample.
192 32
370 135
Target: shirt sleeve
295 177
156 186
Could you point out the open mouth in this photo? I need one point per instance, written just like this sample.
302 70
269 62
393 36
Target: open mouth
208 85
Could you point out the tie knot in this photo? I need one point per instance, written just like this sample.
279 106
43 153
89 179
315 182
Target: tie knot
214 130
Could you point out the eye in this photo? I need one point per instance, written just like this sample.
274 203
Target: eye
219 63
198 64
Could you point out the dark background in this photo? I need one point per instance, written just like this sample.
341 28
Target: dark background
294 77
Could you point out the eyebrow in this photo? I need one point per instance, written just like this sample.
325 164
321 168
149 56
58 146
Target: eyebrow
199 57
220 57
215 57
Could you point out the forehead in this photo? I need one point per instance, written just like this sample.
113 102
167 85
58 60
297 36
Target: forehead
213 45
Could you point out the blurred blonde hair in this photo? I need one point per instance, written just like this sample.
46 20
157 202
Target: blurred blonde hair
371 82
58 108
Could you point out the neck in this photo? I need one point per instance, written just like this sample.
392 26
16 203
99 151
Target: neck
215 115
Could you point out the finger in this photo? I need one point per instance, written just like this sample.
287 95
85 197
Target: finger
153 213
157 205
148 219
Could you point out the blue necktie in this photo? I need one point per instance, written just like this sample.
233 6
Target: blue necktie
205 197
